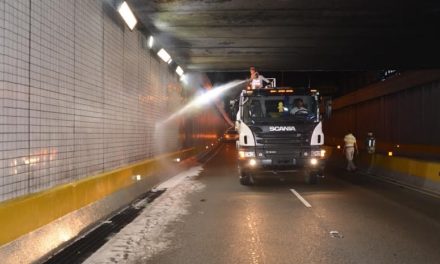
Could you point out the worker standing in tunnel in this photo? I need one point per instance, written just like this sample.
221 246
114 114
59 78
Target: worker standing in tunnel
350 149
370 143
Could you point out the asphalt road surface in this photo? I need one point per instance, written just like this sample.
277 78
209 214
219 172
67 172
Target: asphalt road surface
345 219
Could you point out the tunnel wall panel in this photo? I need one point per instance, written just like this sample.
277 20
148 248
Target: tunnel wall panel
409 117
80 95
404 122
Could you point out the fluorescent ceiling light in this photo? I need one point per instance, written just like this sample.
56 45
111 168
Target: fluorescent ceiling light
169 62
164 55
179 70
184 79
150 42
128 16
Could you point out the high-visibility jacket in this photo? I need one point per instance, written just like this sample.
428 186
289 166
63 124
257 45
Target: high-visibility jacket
349 140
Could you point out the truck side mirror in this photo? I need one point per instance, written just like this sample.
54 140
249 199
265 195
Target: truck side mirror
328 108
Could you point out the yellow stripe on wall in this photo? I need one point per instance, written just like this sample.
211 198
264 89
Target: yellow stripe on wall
429 170
22 215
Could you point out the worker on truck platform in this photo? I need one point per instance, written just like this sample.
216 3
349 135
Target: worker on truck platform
256 80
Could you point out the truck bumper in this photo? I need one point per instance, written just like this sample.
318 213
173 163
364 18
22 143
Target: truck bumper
288 166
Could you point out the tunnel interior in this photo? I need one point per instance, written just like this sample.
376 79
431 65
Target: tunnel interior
94 114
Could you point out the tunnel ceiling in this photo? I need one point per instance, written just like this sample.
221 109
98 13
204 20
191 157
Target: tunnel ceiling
299 35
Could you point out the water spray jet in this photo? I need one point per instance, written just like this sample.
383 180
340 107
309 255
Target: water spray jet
207 97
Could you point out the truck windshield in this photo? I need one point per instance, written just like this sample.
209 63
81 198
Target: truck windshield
279 109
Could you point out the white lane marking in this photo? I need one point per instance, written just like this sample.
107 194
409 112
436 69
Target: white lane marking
301 198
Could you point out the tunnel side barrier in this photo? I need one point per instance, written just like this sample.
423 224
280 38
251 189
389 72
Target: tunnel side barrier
24 214
401 112
422 175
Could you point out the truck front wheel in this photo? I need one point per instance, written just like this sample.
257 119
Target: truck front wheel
246 179
312 178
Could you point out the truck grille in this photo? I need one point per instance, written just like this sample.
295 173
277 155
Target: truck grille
283 147
284 139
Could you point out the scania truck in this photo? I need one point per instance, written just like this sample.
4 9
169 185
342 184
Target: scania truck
280 133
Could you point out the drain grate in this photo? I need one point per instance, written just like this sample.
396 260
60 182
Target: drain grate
84 247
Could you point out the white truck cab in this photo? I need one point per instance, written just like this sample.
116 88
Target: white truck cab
280 131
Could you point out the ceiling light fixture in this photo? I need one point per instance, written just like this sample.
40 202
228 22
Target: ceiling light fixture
150 42
128 16
184 79
179 71
163 54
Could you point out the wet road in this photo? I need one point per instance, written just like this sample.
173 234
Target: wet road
225 222
230 223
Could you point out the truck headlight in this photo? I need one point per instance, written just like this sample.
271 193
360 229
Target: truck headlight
313 161
252 162
246 154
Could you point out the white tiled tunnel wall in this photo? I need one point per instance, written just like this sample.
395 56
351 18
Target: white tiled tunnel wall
79 94
14 98
53 87
89 89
